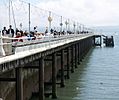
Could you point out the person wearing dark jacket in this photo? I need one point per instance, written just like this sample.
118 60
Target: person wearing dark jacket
11 31
4 31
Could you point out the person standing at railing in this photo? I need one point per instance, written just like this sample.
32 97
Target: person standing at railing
11 31
4 31
2 52
5 34
35 29
4 41
8 41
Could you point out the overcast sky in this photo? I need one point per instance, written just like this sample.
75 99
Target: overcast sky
88 12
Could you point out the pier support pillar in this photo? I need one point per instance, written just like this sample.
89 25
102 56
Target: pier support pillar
19 84
78 53
62 69
68 62
84 46
72 59
81 50
54 63
41 79
76 57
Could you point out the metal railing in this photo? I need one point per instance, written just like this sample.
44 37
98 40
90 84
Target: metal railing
8 46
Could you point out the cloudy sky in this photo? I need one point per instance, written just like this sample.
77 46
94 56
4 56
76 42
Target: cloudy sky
88 12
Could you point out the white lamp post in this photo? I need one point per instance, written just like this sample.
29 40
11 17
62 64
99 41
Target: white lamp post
50 20
61 24
66 23
74 27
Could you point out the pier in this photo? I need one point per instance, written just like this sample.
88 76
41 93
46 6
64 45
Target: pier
36 66
34 62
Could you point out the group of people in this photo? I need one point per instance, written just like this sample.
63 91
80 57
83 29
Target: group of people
33 34
10 32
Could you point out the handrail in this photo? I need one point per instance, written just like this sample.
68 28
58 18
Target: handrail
38 43
34 49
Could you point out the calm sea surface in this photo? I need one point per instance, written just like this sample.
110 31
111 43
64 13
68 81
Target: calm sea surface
97 78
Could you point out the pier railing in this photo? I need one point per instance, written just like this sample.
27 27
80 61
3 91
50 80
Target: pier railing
38 45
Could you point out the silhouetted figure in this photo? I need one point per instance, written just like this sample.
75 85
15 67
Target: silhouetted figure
51 31
11 31
46 31
4 31
35 29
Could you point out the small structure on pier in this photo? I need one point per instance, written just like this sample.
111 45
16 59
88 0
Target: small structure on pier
97 40
108 41
102 39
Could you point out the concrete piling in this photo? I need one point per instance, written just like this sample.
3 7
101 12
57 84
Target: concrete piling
62 68
19 84
54 64
68 63
76 56
41 78
72 59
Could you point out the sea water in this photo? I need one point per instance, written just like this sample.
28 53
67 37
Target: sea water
96 78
